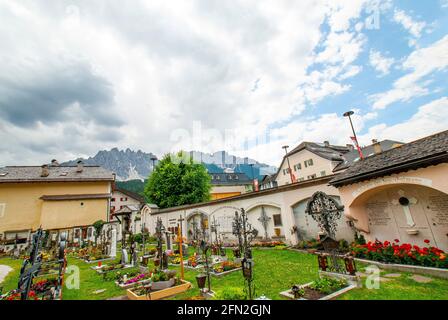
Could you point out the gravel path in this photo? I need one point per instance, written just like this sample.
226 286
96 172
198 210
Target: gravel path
4 270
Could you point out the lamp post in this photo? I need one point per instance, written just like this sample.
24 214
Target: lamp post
253 177
289 165
153 159
348 115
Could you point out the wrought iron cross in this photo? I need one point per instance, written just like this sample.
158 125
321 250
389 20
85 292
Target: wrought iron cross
264 219
325 211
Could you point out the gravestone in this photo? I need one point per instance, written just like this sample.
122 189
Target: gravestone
124 256
113 245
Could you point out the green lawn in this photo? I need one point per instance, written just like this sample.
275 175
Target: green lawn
275 271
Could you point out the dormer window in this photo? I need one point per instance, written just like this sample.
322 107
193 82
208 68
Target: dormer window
3 174
63 174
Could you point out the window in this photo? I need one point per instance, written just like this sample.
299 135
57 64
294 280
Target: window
277 220
302 179
312 176
308 163
236 177
112 200
297 167
286 171
126 199
323 173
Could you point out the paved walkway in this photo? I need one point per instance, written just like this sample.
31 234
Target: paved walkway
4 270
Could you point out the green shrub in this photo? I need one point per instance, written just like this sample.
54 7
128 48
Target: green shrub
328 285
231 293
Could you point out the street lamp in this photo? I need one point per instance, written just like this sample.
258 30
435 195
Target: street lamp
348 115
287 159
153 159
253 177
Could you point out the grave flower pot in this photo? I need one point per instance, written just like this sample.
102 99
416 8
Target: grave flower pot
201 279
156 262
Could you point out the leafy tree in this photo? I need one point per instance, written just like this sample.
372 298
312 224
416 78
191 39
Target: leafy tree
98 226
177 181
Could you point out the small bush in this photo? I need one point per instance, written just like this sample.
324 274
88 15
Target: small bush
231 294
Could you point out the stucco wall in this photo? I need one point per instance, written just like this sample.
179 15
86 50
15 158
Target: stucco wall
319 164
276 202
375 199
23 208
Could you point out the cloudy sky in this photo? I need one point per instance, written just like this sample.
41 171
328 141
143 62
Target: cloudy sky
248 76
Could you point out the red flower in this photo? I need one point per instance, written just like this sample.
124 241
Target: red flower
396 240
426 241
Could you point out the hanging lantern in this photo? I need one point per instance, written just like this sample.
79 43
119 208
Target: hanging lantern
247 268
200 279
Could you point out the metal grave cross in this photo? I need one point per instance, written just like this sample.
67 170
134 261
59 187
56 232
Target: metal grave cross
405 203
264 219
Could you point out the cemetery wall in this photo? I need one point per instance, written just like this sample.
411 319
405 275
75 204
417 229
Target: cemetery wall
376 209
277 202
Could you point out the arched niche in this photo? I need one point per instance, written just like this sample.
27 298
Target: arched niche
308 228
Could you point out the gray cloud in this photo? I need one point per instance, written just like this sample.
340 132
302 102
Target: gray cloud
47 95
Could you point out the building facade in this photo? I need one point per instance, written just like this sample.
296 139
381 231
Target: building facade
53 197
229 184
401 193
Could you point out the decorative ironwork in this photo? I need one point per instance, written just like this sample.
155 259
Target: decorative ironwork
264 219
31 266
325 211
245 234
160 229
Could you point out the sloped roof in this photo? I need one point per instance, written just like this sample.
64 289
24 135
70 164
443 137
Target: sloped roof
56 174
427 151
230 179
353 156
329 152
131 194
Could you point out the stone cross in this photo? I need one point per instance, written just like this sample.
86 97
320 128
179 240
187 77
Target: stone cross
264 219
405 203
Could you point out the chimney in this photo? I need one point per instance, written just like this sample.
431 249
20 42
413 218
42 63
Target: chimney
377 146
45 172
350 147
80 166
54 163
327 143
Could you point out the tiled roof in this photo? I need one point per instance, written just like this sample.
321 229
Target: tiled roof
353 156
56 173
230 179
330 152
131 194
427 151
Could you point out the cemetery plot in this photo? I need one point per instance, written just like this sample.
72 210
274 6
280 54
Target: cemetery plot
321 289
224 268
161 285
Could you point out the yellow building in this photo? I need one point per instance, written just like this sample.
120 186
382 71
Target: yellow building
53 197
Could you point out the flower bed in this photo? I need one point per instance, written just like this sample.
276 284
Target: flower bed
224 268
268 244
141 278
44 289
405 253
321 289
